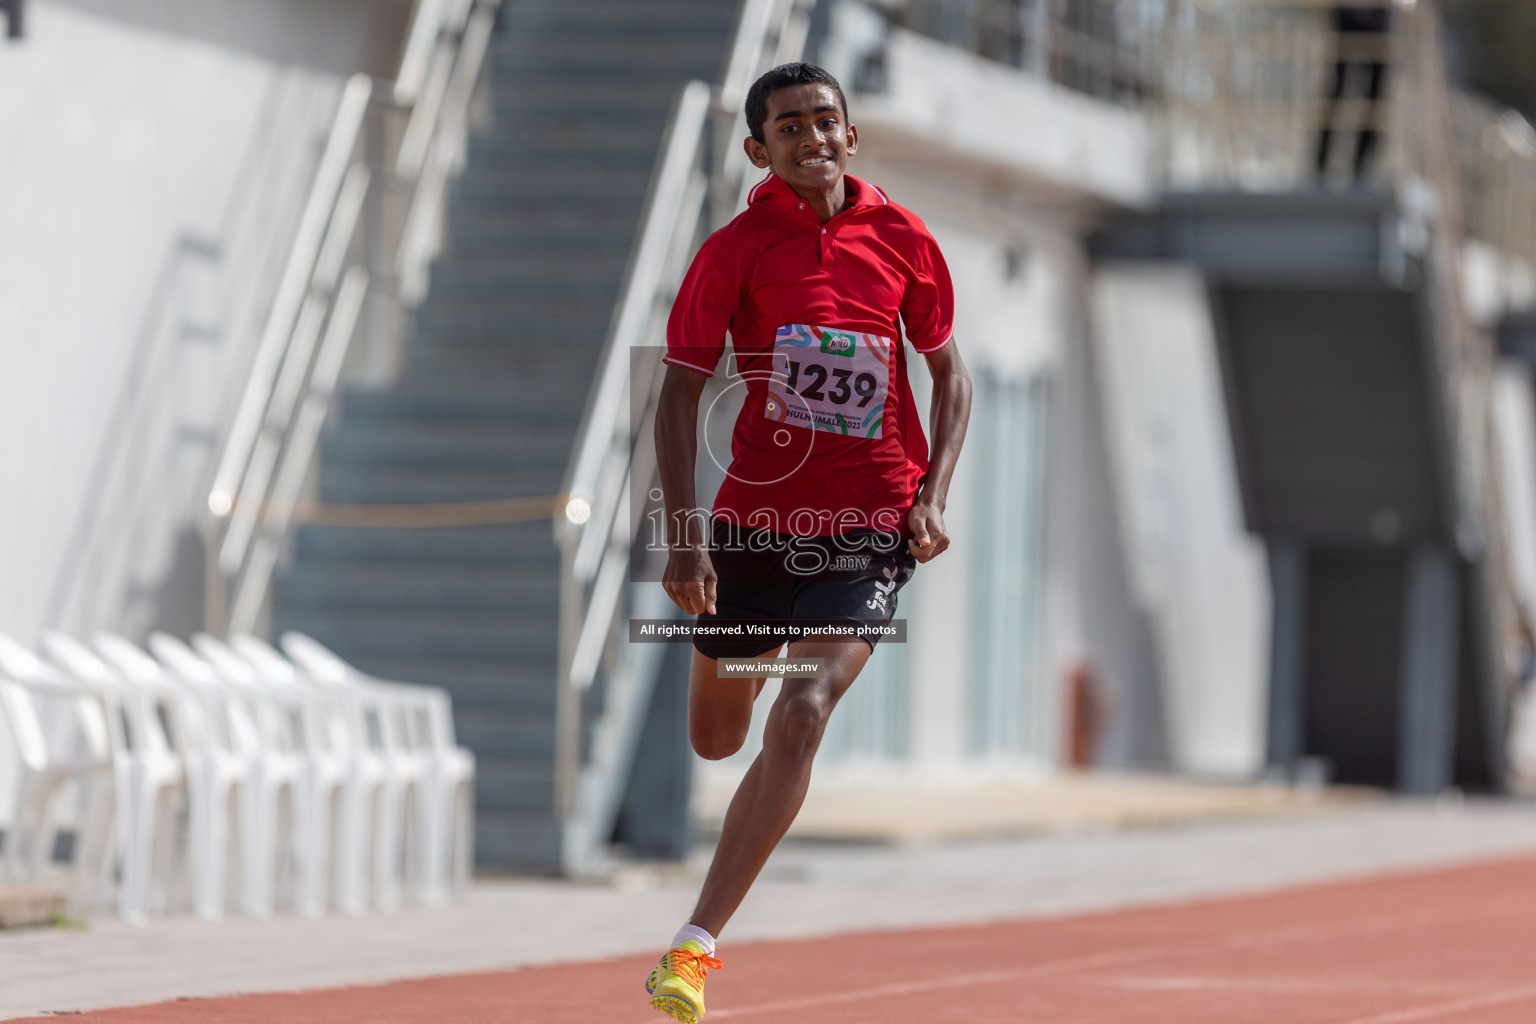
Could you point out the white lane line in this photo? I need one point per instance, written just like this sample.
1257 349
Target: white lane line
1508 995
1286 985
1283 935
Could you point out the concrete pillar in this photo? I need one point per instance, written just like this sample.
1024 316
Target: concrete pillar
14 20
1427 719
1288 653
653 818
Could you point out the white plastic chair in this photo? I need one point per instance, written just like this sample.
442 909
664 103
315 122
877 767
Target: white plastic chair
77 751
369 832
151 774
423 717
276 837
220 750
322 740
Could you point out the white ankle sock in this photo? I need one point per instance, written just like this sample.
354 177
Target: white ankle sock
693 932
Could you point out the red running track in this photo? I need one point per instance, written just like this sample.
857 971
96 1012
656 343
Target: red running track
1457 946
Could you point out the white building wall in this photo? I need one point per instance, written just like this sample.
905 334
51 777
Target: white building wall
1515 427
155 156
1200 576
947 101
1008 290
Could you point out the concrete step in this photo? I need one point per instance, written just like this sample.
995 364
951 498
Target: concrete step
527 137
501 234
550 338
597 223
468 347
525 684
513 231
558 181
576 45
508 445
575 303
559 96
639 60
491 733
530 842
518 393
535 208
376 633
527 544
585 270
625 16
25 906
645 63
520 786
419 483
358 584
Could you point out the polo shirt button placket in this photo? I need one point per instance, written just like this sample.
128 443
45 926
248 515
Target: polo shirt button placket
826 247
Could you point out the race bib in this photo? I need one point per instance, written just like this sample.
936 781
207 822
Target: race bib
828 379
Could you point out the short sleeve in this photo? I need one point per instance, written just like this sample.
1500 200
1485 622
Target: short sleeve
928 307
703 310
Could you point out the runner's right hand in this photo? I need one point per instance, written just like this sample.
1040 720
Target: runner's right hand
689 580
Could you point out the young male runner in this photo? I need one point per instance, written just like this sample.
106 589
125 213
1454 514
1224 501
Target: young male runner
831 497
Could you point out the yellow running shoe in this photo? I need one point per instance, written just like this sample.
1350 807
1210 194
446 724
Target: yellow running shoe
676 984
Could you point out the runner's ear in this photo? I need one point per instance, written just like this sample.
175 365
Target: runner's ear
756 152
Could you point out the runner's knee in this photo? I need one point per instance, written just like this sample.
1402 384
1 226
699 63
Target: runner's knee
716 743
801 719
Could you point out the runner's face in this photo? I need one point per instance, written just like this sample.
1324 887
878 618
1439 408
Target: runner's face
806 138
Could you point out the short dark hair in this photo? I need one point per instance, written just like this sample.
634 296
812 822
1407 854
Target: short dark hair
782 77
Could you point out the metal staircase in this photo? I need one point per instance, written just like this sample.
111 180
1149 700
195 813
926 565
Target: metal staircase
493 388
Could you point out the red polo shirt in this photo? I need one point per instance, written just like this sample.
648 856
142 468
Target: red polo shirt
828 439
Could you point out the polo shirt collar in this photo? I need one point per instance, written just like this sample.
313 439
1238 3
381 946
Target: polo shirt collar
858 193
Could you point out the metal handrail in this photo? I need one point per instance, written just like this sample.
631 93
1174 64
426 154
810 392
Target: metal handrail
612 455
269 447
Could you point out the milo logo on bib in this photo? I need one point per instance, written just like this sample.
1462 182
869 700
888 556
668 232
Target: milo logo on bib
835 344
831 380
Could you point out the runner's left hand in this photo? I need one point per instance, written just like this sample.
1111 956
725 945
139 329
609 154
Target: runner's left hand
929 538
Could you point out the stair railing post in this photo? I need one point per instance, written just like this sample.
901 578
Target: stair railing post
567 698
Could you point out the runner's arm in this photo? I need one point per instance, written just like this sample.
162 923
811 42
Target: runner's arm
689 578
947 416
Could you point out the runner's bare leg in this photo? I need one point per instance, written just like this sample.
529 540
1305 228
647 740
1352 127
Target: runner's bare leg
774 787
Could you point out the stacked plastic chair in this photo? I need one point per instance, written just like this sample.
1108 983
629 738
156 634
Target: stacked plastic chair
62 736
428 775
364 850
335 788
284 830
151 762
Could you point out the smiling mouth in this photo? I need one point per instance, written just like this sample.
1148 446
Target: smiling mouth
813 161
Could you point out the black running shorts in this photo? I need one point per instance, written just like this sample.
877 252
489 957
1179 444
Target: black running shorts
852 577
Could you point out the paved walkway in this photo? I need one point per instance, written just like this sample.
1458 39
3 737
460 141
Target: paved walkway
809 889
896 810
